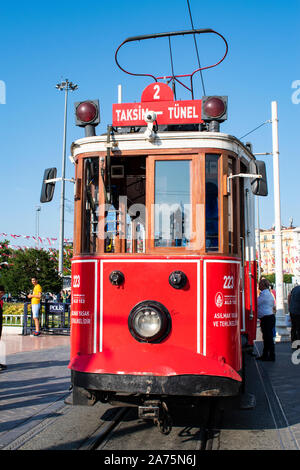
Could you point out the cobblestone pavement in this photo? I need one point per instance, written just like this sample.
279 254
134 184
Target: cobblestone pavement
37 380
33 385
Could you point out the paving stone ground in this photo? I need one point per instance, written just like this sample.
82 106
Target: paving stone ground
34 384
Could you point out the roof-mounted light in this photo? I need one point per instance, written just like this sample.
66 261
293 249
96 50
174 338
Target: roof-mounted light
214 108
86 112
87 115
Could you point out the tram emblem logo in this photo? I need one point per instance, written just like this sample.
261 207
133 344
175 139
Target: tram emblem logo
219 299
76 280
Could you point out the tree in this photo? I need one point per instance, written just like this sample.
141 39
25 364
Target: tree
29 263
287 278
68 254
5 257
270 277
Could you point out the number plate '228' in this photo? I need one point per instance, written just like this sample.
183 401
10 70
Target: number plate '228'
228 282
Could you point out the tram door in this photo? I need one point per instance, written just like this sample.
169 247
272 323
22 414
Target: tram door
248 259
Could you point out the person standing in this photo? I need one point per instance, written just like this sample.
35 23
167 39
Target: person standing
294 309
2 292
36 304
265 310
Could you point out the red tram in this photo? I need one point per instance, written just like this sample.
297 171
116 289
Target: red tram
164 270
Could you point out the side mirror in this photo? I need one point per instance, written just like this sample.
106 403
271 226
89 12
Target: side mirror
48 186
259 186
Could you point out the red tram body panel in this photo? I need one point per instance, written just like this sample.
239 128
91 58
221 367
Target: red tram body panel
205 317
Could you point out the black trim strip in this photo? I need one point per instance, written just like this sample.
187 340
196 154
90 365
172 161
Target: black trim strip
186 385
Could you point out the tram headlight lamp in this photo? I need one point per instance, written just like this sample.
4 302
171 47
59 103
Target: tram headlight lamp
214 108
149 322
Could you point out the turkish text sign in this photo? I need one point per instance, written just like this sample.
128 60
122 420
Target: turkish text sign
168 112
157 97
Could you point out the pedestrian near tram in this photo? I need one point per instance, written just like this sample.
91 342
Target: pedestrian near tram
294 309
36 304
265 310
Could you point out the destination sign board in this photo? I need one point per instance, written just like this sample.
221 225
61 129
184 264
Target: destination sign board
157 97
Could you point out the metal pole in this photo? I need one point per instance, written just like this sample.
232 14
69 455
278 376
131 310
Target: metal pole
62 197
119 93
258 239
280 318
37 224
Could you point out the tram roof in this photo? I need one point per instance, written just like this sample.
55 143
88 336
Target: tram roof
163 140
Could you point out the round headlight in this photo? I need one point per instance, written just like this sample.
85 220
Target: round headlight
149 321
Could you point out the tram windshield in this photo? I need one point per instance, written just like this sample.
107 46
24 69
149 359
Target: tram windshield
172 224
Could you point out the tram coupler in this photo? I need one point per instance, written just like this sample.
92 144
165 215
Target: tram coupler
150 410
158 411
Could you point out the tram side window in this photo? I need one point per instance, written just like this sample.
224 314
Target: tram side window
172 216
211 202
125 217
91 204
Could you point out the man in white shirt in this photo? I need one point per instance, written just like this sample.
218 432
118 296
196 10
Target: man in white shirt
265 312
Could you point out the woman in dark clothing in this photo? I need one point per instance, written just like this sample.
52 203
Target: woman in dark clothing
294 309
265 307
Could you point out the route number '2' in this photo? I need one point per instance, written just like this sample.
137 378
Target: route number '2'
156 93
228 282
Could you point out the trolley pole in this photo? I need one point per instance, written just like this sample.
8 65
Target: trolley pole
282 334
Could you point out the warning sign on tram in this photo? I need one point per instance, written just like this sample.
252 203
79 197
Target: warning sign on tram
158 98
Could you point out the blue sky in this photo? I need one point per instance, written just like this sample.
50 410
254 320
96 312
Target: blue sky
44 42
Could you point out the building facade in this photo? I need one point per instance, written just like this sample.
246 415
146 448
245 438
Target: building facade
290 251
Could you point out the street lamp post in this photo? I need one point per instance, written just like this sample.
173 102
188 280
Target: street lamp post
37 224
281 329
66 86
282 334
258 240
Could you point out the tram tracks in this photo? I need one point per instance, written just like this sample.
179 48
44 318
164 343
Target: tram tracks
104 431
125 431
211 426
107 428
